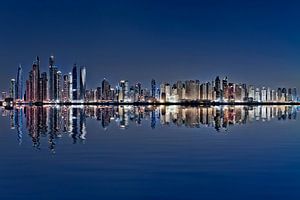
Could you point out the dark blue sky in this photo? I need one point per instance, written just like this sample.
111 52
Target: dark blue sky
251 41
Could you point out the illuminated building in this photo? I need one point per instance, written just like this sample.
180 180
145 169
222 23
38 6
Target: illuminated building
35 80
123 95
257 96
294 94
263 95
3 95
66 88
19 84
217 89
98 93
52 79
106 90
153 88
70 87
74 83
82 84
192 89
225 89
269 95
12 91
58 86
44 87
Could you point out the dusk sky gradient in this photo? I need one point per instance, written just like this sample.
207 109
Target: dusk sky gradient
255 42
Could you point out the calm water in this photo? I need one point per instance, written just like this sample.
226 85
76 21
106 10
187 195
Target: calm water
150 153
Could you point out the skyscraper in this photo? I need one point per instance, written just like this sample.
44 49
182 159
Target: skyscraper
82 83
12 91
74 83
36 80
123 91
66 92
52 73
294 94
153 88
70 86
44 87
58 88
218 88
19 84
106 90
225 91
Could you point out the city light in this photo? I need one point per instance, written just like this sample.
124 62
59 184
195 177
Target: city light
70 88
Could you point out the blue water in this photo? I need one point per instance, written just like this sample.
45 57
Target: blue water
148 153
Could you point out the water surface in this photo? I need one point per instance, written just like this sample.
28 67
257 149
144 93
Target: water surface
166 152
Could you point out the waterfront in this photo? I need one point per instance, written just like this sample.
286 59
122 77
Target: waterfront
165 152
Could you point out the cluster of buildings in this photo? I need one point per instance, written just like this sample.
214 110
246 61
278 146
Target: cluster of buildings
223 91
54 87
48 87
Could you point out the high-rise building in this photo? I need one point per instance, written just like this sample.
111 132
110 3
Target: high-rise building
74 83
180 90
225 91
294 94
257 96
284 94
192 90
123 91
52 79
12 91
279 94
251 93
66 87
203 92
3 95
137 92
290 95
263 94
58 88
36 80
19 84
70 86
82 83
218 88
153 88
98 93
106 90
44 87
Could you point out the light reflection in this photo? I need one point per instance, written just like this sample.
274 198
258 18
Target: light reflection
53 122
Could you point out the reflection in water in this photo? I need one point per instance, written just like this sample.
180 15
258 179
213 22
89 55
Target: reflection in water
54 122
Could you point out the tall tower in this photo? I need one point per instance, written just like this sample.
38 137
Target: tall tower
36 79
58 88
44 87
74 83
153 88
12 91
106 90
52 72
19 84
70 87
82 83
123 91
218 88
66 92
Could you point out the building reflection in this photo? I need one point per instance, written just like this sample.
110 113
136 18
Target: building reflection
53 122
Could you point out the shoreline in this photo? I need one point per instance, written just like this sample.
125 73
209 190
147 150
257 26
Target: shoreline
160 104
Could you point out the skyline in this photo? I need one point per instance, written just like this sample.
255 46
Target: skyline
94 83
137 40
55 86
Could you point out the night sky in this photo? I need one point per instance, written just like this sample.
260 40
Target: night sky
249 41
